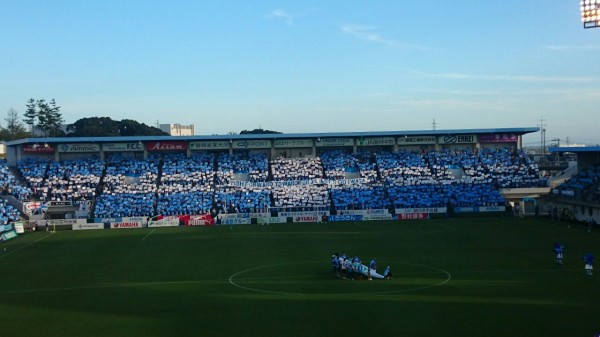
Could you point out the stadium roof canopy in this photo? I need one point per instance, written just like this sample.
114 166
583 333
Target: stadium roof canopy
49 140
587 149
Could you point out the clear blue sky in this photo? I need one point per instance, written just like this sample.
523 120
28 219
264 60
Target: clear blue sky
308 66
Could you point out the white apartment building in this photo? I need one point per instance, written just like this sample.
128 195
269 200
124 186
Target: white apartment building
178 129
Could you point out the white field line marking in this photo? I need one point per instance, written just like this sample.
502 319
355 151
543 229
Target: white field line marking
438 270
27 245
147 235
103 286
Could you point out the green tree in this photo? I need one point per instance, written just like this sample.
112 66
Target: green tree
94 127
42 115
30 115
258 132
14 127
106 127
134 128
53 119
45 116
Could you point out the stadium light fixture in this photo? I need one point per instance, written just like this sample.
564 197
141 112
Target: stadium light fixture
590 13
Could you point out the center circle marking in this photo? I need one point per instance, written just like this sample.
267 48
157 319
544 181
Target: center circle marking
233 282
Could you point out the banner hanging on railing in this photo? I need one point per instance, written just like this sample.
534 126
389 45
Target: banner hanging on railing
318 181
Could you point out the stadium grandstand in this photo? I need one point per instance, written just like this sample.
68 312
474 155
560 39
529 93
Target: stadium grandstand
385 173
329 173
576 195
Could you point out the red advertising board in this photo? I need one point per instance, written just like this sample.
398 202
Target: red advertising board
413 216
499 138
166 146
201 222
36 148
197 220
306 219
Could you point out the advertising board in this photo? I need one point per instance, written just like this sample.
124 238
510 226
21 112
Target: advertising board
334 142
207 145
375 141
292 143
413 216
166 146
252 144
125 225
457 139
82 226
164 223
123 147
236 221
84 147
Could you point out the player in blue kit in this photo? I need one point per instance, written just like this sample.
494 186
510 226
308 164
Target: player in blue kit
387 274
589 264
558 250
350 269
372 267
335 264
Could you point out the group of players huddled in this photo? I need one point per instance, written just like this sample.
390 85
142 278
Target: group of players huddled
588 258
351 268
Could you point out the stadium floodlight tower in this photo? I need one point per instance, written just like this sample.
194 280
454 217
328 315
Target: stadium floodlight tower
590 13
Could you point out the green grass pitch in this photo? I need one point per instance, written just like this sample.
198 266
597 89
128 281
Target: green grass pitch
453 277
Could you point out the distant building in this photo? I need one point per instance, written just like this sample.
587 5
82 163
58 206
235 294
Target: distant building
178 129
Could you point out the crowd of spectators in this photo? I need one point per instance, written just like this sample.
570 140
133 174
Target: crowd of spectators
404 168
337 164
459 177
58 181
444 195
7 182
299 196
129 187
359 196
302 195
583 186
174 184
193 202
307 168
9 185
183 175
243 200
33 172
364 193
252 167
186 184
73 179
367 166
8 213
509 169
